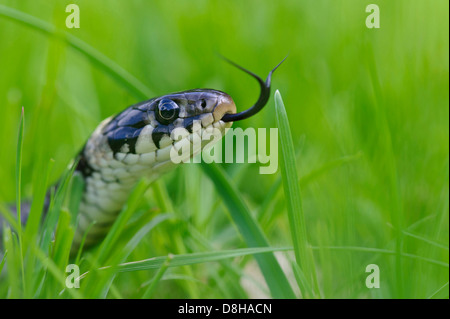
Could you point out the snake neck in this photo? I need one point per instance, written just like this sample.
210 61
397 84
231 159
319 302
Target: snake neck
109 178
110 174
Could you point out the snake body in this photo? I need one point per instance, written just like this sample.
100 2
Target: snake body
138 143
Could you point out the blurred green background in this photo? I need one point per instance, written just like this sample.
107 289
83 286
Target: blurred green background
368 110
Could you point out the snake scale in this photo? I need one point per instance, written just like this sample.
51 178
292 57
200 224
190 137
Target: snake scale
137 143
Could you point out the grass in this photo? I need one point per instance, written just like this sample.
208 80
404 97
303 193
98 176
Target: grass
250 231
367 112
303 256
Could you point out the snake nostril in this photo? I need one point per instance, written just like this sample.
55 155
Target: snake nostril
203 104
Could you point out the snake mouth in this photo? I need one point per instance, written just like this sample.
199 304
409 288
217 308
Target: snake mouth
225 105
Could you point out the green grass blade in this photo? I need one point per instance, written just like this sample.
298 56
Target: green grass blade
2 263
425 240
384 251
191 259
161 271
291 188
302 282
37 206
165 203
9 217
133 85
140 234
437 292
18 193
55 207
198 258
31 232
229 267
60 254
125 251
83 241
19 172
13 263
63 239
250 231
58 274
76 191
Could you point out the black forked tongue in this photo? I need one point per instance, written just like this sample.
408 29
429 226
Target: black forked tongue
263 96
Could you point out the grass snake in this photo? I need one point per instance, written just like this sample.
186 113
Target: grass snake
137 143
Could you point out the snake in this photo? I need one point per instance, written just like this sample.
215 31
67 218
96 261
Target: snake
137 143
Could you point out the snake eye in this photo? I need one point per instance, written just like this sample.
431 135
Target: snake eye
167 111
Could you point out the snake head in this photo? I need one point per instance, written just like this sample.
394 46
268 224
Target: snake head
183 109
144 134
157 123
152 125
